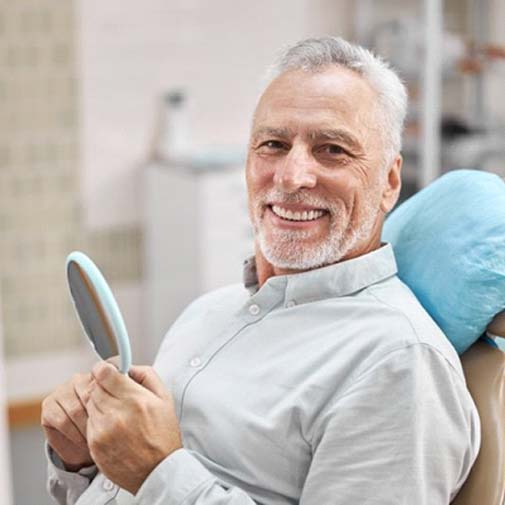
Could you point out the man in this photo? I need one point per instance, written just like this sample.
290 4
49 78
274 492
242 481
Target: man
324 381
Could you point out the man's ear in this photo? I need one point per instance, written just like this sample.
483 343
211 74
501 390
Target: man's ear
393 185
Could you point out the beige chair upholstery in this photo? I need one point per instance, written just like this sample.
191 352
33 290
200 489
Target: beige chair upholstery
484 368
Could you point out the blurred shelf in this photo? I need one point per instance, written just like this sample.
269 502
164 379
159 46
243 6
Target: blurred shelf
24 413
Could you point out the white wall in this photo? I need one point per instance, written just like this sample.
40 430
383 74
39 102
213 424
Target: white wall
132 51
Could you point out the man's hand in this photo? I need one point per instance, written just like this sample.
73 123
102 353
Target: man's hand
132 424
64 420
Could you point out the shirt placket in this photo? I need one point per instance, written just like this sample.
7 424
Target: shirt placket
255 309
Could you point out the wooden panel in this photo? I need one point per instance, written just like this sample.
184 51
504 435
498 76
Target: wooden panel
23 414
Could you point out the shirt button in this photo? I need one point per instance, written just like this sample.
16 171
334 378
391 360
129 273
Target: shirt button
290 303
254 309
108 485
195 362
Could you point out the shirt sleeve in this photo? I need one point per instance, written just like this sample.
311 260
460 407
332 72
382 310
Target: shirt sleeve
63 486
180 479
405 432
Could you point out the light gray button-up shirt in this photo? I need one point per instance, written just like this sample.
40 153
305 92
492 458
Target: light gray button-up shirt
328 386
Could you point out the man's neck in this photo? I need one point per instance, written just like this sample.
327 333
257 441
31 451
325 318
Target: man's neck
265 270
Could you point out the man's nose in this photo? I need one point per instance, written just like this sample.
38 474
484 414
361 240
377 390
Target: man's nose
296 172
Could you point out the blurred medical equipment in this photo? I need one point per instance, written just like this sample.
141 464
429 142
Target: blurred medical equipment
480 148
401 42
440 66
196 227
97 310
196 236
172 140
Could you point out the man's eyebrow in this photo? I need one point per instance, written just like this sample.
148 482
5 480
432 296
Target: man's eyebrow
268 131
337 135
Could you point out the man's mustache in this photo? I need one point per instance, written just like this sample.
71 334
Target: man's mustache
293 198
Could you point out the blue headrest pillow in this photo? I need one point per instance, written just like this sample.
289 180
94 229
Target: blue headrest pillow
449 243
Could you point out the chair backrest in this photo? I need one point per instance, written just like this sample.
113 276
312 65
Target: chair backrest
484 368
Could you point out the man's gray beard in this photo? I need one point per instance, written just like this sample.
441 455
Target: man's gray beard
286 249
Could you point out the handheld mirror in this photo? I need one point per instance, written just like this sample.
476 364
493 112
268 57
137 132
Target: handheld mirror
98 311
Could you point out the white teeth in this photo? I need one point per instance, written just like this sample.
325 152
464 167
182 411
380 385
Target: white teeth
297 216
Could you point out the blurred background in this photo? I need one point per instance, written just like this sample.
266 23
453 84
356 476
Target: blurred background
123 129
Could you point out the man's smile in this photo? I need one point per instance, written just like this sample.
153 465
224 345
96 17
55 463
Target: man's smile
295 216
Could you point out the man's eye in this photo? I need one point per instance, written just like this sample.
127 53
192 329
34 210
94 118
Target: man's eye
332 149
271 145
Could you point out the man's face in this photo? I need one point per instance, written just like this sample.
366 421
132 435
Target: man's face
315 169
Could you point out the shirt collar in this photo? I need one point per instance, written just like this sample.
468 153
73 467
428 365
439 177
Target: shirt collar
339 279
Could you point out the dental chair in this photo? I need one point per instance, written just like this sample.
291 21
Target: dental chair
484 367
449 243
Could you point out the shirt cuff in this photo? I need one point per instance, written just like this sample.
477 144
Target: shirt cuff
57 468
175 480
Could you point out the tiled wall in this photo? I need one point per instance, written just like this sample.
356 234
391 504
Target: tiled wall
40 216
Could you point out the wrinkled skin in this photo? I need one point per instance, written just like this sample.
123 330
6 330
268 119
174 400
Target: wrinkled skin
316 143
124 425
132 425
64 420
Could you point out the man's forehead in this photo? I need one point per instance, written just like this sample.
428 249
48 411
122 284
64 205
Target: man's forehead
328 100
333 81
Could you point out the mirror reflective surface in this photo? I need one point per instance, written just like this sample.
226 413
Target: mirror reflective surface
98 311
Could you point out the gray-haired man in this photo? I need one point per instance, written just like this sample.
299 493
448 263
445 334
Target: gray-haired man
321 379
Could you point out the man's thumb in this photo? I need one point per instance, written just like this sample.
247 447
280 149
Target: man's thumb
148 378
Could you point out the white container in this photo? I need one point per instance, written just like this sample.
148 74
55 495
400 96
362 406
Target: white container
173 143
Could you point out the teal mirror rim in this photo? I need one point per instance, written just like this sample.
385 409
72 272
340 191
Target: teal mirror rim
110 305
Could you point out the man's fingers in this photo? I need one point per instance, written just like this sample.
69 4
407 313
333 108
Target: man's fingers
83 391
148 378
109 378
114 382
57 439
77 417
102 399
55 416
94 410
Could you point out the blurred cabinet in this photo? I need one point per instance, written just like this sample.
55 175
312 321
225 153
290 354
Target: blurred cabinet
197 235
